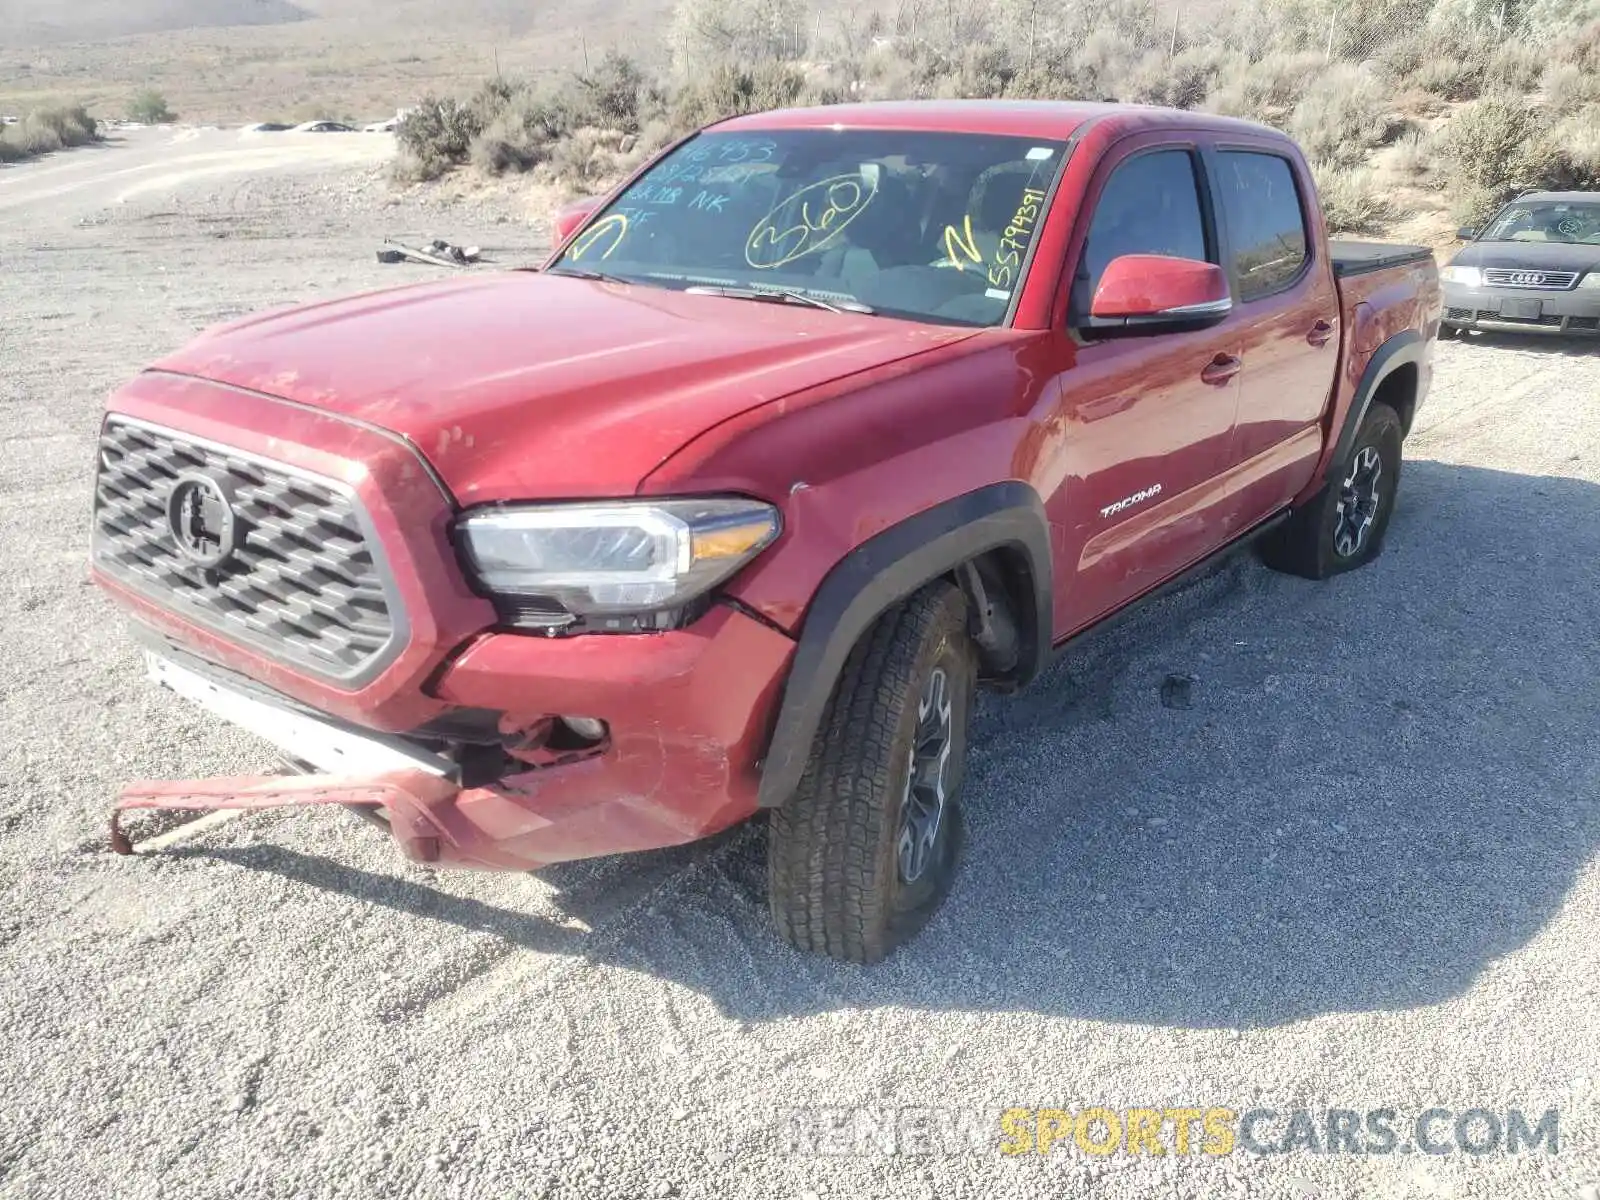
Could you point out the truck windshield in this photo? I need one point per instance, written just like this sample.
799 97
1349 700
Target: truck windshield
929 226
1546 221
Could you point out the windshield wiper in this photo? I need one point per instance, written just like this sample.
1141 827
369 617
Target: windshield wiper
781 296
588 273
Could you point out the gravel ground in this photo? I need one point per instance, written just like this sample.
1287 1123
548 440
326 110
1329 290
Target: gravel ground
1358 871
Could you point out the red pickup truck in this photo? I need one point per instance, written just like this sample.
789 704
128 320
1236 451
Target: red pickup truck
821 422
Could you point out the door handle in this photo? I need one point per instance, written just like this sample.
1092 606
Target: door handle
1321 333
1221 369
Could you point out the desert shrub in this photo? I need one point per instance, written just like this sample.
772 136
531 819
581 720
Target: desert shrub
1450 61
1261 29
1568 155
1267 90
149 107
1342 116
1515 67
436 135
73 125
1450 79
1403 57
1182 81
1103 61
512 125
985 72
1580 47
1501 146
1414 153
47 129
520 125
33 139
588 159
708 35
1352 201
825 91
1555 20
1568 87
506 145
1483 148
614 94
730 91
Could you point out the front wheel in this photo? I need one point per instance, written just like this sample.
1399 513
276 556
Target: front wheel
866 849
1343 527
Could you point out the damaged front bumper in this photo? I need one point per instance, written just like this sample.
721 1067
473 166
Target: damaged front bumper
687 715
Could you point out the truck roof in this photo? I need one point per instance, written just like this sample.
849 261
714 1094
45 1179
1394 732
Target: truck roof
1560 197
1053 119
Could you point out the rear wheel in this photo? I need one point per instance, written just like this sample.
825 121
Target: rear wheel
866 849
1344 526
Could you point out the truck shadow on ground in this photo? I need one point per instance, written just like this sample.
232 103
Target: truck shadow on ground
1381 785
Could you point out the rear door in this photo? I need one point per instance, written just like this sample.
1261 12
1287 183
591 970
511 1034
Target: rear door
1288 309
1140 438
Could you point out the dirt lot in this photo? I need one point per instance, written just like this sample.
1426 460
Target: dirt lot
1360 871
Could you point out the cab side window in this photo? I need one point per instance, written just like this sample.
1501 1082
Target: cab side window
1266 223
1150 205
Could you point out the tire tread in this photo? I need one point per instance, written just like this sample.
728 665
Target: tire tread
826 865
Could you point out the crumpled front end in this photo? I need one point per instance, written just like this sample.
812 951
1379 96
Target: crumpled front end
291 572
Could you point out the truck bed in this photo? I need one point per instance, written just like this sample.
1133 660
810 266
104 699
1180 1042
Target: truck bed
1359 258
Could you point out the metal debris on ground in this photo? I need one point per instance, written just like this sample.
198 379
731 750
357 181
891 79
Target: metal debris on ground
439 253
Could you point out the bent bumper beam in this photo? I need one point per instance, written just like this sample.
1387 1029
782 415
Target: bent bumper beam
406 796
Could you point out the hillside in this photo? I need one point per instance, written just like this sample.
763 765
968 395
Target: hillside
35 23
44 22
242 60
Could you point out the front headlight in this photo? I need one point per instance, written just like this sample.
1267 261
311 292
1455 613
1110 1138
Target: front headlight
1591 280
613 560
1465 276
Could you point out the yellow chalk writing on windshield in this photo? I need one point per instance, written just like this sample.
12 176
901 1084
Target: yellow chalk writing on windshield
961 246
1014 240
808 221
614 228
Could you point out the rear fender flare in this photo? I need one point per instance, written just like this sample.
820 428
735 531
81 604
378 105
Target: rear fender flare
881 572
1403 348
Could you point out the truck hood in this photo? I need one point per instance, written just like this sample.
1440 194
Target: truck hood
519 385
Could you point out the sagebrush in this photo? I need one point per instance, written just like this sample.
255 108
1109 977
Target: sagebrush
45 130
1346 79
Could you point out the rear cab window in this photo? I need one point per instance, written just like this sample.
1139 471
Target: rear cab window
1265 213
931 226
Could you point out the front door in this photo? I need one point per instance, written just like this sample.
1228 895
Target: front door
1143 427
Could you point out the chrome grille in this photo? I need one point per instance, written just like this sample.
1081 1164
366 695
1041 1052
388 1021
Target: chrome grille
304 584
1555 281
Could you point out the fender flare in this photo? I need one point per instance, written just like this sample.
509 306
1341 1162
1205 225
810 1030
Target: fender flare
881 572
1405 347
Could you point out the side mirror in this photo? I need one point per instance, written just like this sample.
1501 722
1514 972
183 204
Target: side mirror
1466 233
1143 294
571 217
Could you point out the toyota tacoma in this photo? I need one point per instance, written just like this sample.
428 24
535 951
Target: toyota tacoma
818 424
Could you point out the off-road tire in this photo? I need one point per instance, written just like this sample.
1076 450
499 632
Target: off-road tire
1308 543
834 870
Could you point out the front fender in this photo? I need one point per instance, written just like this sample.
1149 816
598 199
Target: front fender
886 569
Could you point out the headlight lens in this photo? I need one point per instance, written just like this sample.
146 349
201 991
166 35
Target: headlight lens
1465 276
1591 280
611 559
